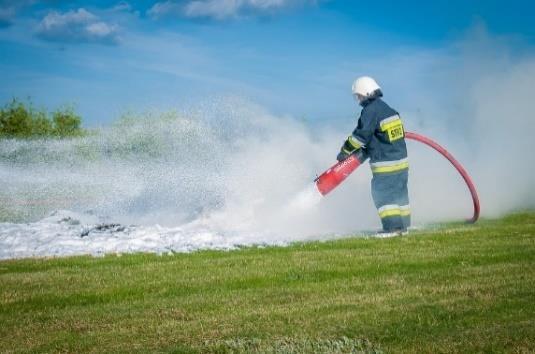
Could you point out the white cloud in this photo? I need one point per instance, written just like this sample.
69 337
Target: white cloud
221 9
165 8
122 6
77 26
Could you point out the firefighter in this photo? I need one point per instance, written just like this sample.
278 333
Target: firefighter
380 136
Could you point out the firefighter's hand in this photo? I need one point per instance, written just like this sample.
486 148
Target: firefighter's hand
342 155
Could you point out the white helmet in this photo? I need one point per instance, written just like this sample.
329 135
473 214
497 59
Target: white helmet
365 86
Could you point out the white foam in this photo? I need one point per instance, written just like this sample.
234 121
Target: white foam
308 198
66 233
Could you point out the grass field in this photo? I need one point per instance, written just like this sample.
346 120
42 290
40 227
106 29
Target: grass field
454 289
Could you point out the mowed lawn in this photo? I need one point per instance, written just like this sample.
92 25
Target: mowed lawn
457 288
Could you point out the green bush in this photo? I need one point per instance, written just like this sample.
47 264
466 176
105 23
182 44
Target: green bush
16 120
42 126
20 120
66 123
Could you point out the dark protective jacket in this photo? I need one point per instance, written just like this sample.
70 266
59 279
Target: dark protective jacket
381 136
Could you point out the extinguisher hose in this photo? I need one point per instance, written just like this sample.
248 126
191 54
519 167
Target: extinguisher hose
456 164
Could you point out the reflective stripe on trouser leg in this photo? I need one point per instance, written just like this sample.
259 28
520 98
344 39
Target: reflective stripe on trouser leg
389 166
391 198
391 217
406 215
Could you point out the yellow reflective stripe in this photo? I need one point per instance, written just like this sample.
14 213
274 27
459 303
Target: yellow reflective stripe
390 119
405 210
354 142
394 212
393 127
347 151
391 124
392 168
391 212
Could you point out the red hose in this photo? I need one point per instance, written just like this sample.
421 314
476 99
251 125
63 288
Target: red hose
456 164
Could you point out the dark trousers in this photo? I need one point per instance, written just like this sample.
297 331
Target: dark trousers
391 197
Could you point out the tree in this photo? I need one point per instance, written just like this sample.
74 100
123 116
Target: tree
19 120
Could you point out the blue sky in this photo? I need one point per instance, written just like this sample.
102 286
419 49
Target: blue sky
294 57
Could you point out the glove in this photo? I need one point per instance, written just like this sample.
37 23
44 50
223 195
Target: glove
350 146
342 155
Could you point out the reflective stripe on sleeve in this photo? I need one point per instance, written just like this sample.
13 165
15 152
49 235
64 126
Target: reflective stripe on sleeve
348 148
356 143
390 122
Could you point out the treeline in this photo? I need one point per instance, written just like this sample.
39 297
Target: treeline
22 120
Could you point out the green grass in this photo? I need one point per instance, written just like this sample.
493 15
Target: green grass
455 289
